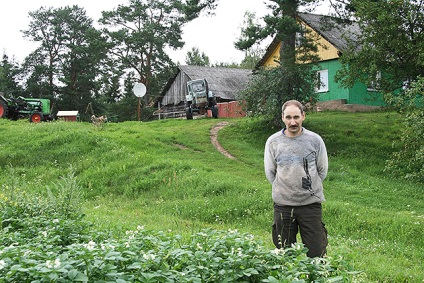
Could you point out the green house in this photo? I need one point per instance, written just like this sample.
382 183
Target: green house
331 43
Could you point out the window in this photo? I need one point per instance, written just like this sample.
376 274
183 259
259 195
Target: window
322 81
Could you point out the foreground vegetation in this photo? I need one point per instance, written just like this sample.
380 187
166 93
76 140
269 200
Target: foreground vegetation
167 176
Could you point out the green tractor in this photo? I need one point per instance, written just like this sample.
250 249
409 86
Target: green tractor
35 109
199 99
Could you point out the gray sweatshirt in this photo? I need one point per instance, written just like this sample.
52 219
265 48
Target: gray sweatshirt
296 167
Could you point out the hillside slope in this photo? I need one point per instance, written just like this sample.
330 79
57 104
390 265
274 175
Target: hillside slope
168 175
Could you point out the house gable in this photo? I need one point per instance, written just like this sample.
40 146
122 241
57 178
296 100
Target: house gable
331 41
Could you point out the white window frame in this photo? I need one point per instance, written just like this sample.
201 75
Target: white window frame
322 81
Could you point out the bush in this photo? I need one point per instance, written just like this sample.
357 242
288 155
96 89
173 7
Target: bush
408 161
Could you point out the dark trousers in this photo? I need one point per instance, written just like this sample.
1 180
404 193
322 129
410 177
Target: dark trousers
289 220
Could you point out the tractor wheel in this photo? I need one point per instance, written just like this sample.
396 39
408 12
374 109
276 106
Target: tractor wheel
3 109
215 111
189 113
36 117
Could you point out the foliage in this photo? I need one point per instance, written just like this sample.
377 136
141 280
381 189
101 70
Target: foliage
76 64
385 52
295 77
27 215
195 58
159 23
65 66
9 76
408 160
264 95
48 249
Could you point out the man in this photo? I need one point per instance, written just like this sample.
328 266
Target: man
296 163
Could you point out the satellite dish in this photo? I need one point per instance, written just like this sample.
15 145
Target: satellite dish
139 89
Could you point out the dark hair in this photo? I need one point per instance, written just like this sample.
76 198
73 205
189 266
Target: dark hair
292 102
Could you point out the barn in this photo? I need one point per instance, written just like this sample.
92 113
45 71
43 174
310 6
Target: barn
224 83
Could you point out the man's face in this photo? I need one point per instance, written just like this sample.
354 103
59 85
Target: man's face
293 119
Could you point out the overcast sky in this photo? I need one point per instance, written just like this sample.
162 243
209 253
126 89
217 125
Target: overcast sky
213 35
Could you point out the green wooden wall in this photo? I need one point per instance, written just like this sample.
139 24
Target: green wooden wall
358 94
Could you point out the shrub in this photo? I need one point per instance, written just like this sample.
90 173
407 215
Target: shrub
408 161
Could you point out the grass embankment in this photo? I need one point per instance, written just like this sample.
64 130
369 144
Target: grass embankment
167 175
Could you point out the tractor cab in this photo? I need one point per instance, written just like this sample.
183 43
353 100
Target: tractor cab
199 99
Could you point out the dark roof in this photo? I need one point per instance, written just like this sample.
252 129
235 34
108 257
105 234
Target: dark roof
326 26
333 31
223 82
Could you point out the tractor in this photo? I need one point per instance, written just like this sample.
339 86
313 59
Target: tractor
35 109
199 99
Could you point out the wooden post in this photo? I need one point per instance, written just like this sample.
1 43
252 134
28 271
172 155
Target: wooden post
139 109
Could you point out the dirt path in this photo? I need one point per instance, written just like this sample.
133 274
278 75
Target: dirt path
214 139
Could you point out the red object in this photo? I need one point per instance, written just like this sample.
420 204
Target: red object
231 109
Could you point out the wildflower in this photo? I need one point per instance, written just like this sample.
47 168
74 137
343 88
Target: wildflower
44 233
240 253
90 246
53 264
139 227
55 220
2 264
49 264
199 247
149 256
107 246
297 246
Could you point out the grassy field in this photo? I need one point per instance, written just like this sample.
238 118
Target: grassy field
166 175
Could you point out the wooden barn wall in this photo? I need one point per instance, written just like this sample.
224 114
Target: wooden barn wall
177 92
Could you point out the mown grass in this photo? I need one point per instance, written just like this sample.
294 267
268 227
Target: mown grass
166 175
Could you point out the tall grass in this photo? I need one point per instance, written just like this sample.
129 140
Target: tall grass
166 175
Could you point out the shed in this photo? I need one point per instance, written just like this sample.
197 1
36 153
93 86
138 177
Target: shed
70 116
224 83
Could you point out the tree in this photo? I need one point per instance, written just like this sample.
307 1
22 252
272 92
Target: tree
142 30
9 73
195 58
391 45
251 58
408 161
294 78
65 65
